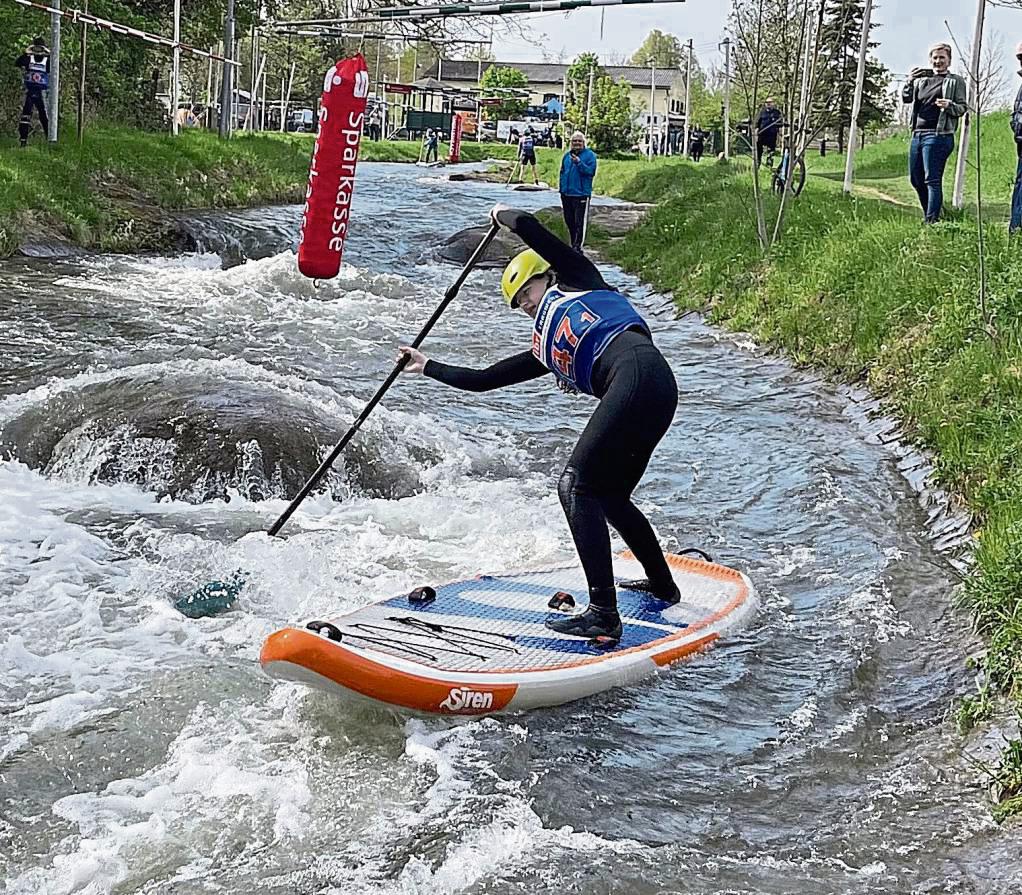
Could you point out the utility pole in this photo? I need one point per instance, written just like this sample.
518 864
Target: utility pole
55 18
688 98
81 76
227 81
253 76
652 105
726 43
801 132
860 79
175 72
589 99
975 102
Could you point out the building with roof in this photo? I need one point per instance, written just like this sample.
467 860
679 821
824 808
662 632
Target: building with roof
546 82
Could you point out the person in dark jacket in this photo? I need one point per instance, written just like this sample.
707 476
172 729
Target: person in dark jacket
696 143
1016 128
593 341
938 100
578 168
35 65
768 125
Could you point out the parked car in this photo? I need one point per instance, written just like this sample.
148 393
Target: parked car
302 121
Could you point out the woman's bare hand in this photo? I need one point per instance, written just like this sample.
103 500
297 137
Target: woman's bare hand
416 359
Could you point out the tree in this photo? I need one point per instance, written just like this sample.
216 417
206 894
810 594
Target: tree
839 56
510 86
609 110
663 49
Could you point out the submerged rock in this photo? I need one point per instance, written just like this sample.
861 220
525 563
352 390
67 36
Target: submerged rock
462 244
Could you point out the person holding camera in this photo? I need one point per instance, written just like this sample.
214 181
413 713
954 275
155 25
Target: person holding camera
35 66
938 100
578 168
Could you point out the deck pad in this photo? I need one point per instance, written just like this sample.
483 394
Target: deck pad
481 644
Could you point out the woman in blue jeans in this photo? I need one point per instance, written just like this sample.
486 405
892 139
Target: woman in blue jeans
938 100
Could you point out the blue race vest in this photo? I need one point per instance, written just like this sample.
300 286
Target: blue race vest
36 74
573 329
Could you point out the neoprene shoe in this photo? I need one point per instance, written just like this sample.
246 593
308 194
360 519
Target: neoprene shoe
591 624
673 595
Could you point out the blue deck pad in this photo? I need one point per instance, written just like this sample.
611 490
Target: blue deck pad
455 599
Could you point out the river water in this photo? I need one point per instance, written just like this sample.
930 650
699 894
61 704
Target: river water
156 414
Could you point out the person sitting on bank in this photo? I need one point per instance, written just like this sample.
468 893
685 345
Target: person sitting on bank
593 341
938 100
35 65
578 168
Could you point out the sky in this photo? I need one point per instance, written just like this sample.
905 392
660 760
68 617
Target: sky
907 28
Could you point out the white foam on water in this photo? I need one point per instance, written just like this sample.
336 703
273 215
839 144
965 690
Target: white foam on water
225 786
497 832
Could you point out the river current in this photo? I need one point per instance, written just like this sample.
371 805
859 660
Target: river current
156 414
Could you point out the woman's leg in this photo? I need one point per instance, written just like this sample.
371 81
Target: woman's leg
1016 199
937 150
916 170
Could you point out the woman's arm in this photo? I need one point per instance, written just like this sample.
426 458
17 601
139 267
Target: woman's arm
959 99
510 371
574 269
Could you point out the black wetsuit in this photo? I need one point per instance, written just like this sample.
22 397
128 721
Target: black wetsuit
638 396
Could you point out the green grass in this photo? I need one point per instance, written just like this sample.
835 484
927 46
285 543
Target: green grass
108 191
860 289
883 166
88 191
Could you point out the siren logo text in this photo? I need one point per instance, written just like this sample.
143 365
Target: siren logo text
461 698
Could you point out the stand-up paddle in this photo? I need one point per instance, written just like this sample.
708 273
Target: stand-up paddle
217 596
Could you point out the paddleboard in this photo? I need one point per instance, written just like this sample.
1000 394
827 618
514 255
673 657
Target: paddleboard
531 187
479 646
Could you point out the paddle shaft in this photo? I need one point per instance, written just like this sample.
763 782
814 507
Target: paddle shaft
449 296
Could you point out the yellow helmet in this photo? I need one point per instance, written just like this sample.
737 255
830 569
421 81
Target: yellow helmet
522 268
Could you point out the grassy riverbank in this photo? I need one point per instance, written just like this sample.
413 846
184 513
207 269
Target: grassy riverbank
859 289
111 191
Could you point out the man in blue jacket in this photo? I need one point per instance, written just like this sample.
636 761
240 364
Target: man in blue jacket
578 168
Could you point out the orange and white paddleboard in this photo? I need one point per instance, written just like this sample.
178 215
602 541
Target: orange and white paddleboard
479 646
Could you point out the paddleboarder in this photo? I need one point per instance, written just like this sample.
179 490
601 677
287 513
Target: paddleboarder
593 341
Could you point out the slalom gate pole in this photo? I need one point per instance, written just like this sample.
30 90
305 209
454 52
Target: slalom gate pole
449 296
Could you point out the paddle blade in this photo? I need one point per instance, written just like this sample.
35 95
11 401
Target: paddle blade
212 598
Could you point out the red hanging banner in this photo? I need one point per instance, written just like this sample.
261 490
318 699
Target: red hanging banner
456 127
325 219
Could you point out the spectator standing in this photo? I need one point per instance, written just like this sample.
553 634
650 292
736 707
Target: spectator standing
696 143
938 100
375 124
768 125
578 168
1016 127
35 66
